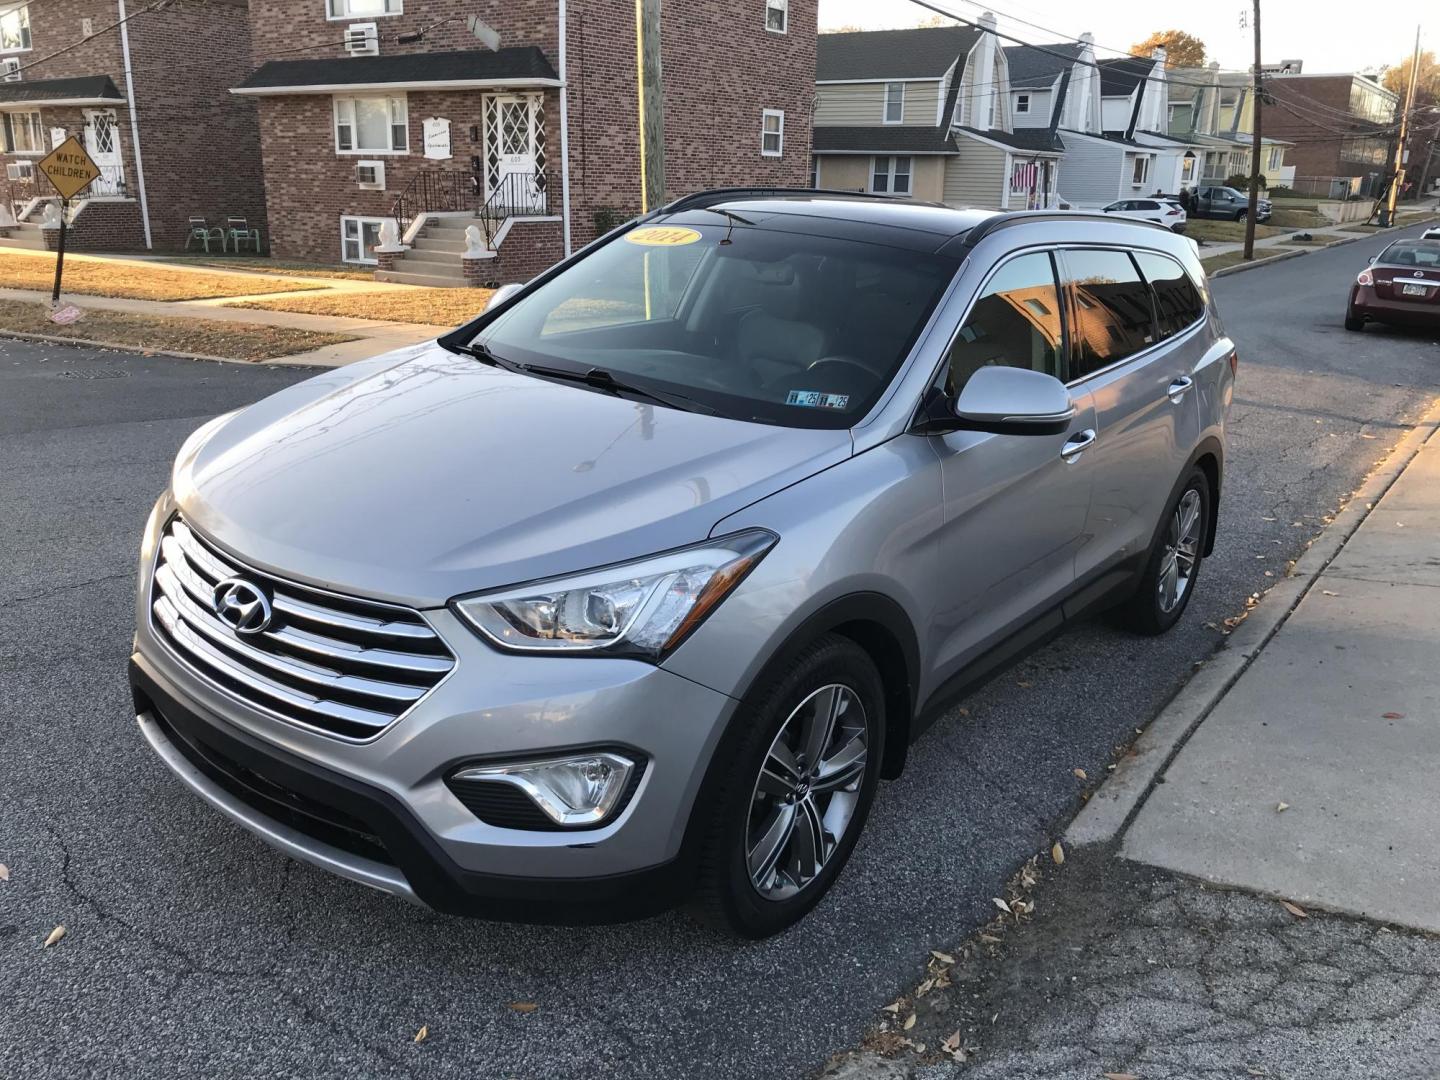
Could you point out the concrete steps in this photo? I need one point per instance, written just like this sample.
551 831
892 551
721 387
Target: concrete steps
25 235
435 255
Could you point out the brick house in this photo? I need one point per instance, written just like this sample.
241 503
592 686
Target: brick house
927 113
376 113
1340 125
147 97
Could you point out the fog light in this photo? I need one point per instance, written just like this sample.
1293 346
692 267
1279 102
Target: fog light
569 791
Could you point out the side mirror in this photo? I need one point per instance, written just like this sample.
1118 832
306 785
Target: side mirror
1014 401
503 293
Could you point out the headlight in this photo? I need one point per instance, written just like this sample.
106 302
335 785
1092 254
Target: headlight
642 609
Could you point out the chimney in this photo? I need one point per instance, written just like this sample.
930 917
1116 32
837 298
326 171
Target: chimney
1158 55
987 21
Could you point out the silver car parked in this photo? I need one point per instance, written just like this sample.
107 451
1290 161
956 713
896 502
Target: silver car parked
632 589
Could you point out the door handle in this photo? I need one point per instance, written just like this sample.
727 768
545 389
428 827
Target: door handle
1179 388
1077 444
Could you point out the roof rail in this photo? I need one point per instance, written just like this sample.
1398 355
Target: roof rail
1021 217
701 199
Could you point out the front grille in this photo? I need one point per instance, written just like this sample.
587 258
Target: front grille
336 664
315 819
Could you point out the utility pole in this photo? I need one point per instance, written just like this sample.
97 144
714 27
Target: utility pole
1399 170
650 90
1257 95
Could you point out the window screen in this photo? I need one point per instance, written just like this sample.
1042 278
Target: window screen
1111 304
1016 322
1177 301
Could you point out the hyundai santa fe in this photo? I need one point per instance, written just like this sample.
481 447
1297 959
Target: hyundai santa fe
631 590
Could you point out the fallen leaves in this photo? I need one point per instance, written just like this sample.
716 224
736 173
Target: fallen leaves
1002 905
1294 909
4 872
1328 592
54 936
1281 807
944 958
1057 853
523 1006
1392 716
1080 774
1123 1076
909 1022
423 1033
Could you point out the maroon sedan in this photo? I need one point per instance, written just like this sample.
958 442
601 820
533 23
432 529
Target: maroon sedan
1401 285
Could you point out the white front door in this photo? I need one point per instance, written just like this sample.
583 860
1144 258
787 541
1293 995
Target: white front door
514 140
102 140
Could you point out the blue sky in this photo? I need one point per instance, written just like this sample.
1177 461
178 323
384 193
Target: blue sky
1292 28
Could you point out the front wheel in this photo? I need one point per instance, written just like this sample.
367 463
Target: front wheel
1174 563
798 793
1240 215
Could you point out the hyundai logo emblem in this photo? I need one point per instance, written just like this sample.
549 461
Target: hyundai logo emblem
241 605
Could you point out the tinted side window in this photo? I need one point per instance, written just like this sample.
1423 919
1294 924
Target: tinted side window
1016 322
1177 301
1111 306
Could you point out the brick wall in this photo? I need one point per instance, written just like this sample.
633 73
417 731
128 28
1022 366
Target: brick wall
1302 115
201 144
102 226
720 70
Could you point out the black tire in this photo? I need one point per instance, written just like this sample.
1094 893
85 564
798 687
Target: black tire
1354 322
1144 612
1241 215
726 897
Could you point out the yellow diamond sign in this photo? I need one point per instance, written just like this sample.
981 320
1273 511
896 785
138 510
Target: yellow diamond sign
70 168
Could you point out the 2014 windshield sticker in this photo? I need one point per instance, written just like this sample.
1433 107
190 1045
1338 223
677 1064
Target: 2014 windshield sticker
814 399
662 236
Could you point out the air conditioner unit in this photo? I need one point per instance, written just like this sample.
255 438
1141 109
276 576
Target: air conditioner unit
11 68
20 170
362 39
370 175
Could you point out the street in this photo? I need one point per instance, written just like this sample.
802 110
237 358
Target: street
194 949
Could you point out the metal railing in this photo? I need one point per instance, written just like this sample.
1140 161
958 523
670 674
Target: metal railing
517 194
434 192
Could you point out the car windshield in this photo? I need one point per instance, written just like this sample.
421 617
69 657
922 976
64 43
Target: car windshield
1424 253
753 323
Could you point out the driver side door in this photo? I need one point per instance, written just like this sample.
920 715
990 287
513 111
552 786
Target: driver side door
1015 506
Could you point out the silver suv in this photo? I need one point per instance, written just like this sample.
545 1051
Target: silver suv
633 588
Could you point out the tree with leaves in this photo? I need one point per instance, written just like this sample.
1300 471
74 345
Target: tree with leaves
1181 49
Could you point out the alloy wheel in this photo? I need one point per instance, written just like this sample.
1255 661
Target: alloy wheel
1182 552
808 789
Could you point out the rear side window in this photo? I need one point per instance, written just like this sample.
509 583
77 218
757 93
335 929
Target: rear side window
1016 322
1177 301
1110 303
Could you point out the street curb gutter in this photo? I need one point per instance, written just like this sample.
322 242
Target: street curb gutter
1111 808
142 350
1255 264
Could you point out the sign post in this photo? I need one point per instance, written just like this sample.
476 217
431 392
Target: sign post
70 170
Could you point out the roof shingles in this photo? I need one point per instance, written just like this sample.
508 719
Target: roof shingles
472 65
922 53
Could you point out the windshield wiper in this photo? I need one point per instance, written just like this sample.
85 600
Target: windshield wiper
601 379
481 353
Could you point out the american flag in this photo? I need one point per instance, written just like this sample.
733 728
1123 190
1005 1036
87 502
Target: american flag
1025 177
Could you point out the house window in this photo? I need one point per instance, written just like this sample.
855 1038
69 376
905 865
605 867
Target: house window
894 102
362 9
777 15
772 132
1140 172
1022 103
814 171
23 133
15 30
358 237
371 125
890 174
1277 158
1187 170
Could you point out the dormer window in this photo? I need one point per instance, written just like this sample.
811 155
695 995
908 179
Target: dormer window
894 102
1022 104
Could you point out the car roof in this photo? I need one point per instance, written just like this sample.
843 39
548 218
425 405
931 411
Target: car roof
919 226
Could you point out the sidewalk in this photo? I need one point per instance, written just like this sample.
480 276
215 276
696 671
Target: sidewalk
1324 235
1338 723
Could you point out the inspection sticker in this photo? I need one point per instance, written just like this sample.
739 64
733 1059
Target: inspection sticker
814 399
662 236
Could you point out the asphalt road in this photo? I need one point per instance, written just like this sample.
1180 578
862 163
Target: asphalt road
194 950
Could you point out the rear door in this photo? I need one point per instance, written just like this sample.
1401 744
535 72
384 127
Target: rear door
1015 505
1138 375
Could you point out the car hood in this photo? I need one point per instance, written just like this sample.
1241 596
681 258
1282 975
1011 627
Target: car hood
421 475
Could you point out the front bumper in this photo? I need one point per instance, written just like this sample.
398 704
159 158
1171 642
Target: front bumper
380 812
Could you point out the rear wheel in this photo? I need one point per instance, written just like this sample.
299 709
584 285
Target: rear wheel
798 793
1174 563
1354 322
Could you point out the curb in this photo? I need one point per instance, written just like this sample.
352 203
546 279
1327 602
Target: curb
1115 803
51 339
1255 264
